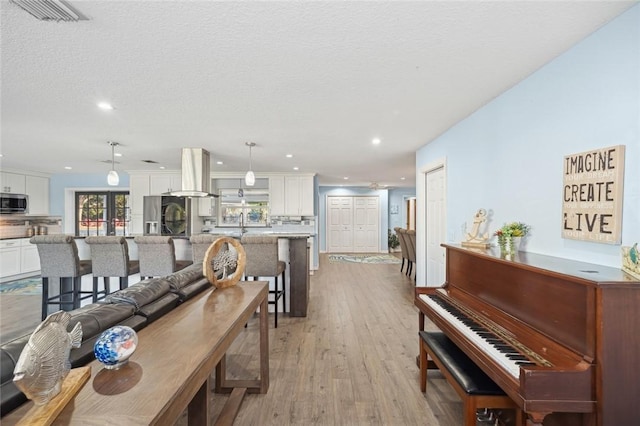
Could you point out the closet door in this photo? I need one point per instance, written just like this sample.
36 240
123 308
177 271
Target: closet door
366 225
339 224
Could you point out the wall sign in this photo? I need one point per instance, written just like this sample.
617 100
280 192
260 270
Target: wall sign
592 195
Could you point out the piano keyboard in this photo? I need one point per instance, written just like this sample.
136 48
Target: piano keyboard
497 348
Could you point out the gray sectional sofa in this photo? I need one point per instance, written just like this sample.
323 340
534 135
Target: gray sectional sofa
135 306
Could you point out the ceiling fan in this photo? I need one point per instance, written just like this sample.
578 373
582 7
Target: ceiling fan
376 186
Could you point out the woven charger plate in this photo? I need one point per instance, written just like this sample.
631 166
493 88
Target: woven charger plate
210 256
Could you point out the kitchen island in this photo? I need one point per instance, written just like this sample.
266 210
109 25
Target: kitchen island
293 249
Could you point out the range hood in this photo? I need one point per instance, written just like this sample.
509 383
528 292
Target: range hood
196 174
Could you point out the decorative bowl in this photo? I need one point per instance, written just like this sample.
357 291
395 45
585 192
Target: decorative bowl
115 345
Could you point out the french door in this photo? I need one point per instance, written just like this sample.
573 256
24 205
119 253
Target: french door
102 213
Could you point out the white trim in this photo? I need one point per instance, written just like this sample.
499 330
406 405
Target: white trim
421 250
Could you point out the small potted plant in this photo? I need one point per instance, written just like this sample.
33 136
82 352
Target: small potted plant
509 236
392 240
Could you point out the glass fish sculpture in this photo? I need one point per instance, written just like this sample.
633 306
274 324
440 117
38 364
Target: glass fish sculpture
44 361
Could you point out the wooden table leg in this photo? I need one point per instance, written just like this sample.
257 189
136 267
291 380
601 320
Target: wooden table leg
261 385
198 411
264 347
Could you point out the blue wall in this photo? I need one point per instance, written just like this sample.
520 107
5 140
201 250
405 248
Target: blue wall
58 183
507 157
398 197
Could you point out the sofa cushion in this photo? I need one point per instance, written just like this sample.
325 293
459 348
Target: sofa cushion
141 293
10 395
188 282
186 276
153 311
97 317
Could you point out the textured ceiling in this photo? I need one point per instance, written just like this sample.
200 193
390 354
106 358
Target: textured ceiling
317 80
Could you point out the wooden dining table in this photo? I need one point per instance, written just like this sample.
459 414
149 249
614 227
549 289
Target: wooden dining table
171 369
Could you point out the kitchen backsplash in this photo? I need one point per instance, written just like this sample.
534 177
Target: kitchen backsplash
17 226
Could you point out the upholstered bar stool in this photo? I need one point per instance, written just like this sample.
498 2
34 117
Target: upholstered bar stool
200 244
110 258
59 260
262 261
157 256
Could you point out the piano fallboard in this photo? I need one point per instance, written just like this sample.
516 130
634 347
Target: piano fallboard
556 313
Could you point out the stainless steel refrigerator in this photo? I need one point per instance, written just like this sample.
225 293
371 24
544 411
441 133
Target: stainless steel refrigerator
170 215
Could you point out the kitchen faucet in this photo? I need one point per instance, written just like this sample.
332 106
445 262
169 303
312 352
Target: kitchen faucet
242 228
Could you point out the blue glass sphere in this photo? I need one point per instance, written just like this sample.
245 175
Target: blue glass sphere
115 345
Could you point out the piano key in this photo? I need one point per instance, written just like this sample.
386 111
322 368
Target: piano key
487 344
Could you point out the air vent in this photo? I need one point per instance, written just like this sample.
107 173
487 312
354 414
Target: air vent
51 10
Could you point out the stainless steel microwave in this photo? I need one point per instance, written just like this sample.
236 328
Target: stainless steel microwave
14 203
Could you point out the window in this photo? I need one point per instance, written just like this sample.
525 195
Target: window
102 213
247 207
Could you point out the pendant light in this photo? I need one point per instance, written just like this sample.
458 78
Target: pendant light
250 178
112 178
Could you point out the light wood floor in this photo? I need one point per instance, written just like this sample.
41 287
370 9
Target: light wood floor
351 361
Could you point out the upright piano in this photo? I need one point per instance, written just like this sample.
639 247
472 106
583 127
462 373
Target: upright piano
560 337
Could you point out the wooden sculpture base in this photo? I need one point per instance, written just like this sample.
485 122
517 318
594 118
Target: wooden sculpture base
45 415
475 245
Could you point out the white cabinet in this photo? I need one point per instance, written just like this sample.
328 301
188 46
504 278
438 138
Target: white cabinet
161 183
306 196
298 195
206 206
37 188
29 257
276 195
291 195
138 189
9 258
18 257
13 183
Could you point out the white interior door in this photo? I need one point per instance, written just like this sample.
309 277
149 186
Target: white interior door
339 224
435 226
366 224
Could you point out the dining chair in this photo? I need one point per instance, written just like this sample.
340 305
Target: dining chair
403 245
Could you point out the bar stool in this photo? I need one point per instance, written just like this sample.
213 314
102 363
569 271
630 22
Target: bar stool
110 258
200 244
262 261
59 259
157 256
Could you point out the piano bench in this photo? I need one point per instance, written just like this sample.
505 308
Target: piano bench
474 387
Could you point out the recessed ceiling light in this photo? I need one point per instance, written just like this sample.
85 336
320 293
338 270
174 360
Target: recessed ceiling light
161 167
289 155
296 168
67 167
219 163
105 106
402 178
346 178
376 141
117 154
